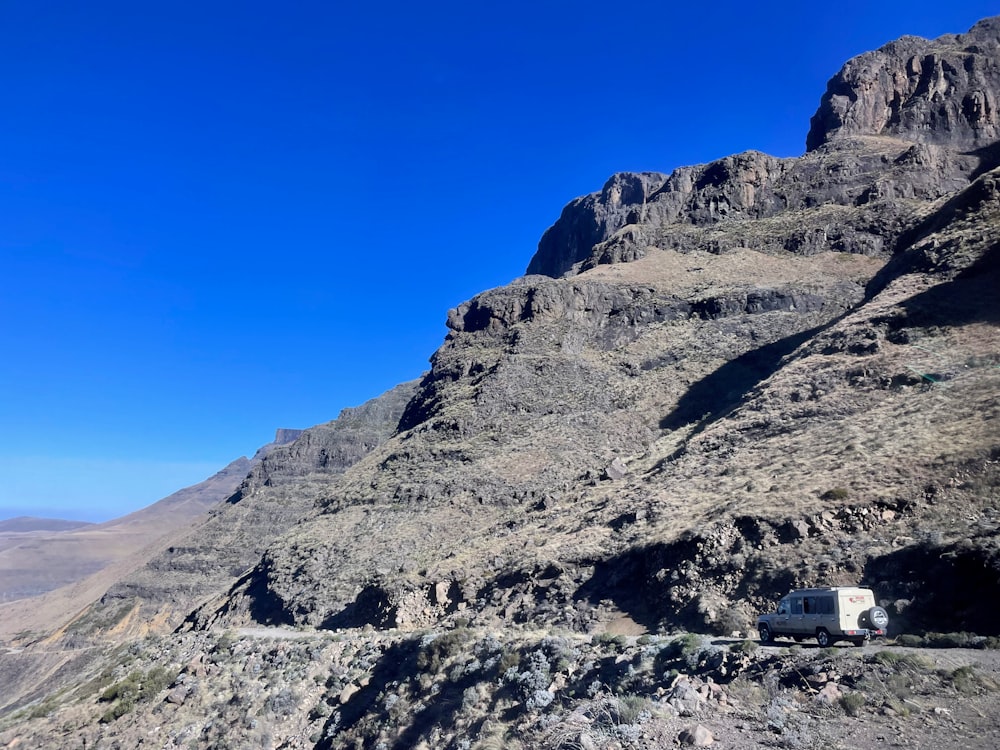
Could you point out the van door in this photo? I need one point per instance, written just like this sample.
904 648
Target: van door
810 615
781 626
796 622
826 615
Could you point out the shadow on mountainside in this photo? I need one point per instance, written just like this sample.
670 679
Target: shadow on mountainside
971 297
643 582
398 662
909 579
263 605
715 395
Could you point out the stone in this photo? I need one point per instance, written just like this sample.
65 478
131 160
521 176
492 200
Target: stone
829 695
686 699
178 695
616 470
799 529
348 692
440 593
699 736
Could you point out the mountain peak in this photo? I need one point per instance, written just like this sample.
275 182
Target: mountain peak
941 91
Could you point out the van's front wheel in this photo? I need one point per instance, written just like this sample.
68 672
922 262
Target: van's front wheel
823 638
765 633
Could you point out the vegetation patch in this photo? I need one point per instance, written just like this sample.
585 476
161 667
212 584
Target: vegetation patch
136 687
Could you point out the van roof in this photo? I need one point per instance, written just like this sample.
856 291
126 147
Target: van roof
831 589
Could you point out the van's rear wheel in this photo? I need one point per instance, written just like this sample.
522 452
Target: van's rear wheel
823 638
765 633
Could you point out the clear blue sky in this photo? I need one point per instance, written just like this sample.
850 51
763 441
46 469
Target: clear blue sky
220 218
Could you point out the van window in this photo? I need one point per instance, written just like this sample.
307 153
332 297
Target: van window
824 605
809 605
796 606
783 607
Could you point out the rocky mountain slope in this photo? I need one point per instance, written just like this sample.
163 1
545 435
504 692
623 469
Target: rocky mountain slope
712 386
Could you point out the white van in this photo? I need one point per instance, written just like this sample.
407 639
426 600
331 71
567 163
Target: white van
838 613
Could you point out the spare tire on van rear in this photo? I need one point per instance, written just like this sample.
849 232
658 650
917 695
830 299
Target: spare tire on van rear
875 618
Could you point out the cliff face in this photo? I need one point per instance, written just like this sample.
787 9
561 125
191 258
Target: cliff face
713 386
909 122
942 92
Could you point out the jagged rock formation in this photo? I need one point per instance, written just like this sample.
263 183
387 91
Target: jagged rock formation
944 92
910 122
712 386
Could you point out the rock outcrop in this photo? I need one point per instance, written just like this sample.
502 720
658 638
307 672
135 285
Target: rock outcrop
941 92
912 121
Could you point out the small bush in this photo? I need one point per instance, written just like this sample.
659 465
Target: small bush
968 682
442 648
117 711
43 709
136 687
902 661
684 646
897 706
836 493
907 639
633 709
610 640
733 620
510 659
744 647
852 703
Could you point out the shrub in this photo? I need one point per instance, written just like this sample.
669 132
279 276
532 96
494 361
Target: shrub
509 660
744 647
902 661
967 681
684 646
136 687
633 709
439 650
852 703
733 620
610 640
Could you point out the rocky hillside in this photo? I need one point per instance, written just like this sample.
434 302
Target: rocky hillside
712 386
151 592
751 385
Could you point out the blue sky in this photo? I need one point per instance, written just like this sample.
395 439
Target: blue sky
220 218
